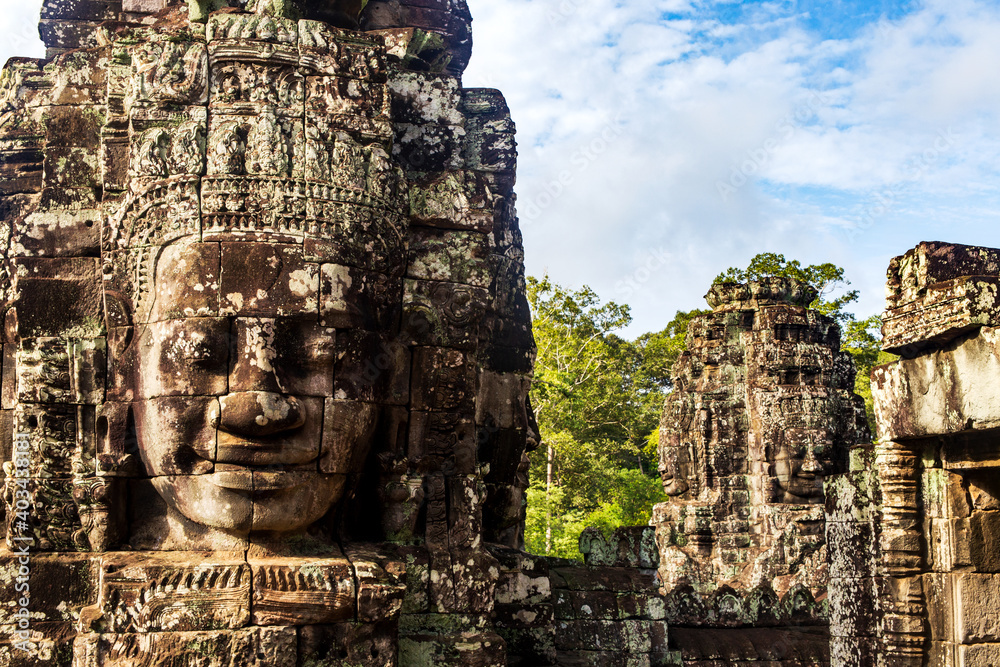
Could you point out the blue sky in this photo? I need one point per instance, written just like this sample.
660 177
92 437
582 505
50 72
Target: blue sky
662 141
827 131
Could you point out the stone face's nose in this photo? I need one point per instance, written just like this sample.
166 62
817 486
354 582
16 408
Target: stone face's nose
811 464
258 413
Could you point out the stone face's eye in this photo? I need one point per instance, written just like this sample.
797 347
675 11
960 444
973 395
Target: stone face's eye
200 349
320 351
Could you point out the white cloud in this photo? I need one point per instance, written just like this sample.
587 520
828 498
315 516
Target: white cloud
19 29
645 107
700 100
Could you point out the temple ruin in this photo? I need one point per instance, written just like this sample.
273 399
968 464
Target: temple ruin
266 357
267 348
914 578
762 411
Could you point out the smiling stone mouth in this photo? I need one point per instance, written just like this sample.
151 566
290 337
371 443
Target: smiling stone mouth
259 479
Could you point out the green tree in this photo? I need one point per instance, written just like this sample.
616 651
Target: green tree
597 397
825 278
659 351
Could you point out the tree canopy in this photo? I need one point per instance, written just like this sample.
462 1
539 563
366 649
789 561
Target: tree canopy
597 397
825 278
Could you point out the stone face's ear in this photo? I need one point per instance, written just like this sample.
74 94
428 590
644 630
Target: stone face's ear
117 310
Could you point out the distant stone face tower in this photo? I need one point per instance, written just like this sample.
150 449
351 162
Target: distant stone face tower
762 411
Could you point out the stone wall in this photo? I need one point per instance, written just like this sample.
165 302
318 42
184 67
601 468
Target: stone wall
606 612
915 522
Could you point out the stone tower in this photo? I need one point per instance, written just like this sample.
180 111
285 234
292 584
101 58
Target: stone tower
762 411
266 346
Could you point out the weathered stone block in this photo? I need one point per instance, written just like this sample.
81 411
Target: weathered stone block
58 297
381 586
71 167
362 644
949 543
428 146
604 579
195 293
854 610
449 256
419 97
984 541
204 343
854 651
351 298
443 440
462 200
250 647
945 495
57 585
349 97
179 591
20 171
444 380
266 279
911 394
940 591
302 591
975 596
48 644
73 126
490 144
143 6
981 655
442 314
630 636
849 546
57 233
371 368
51 522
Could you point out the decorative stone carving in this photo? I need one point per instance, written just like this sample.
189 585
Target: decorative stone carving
244 378
916 581
762 412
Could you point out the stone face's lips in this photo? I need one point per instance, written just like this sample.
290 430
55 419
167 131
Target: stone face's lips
253 481
270 452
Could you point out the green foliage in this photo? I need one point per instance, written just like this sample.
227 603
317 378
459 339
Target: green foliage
825 278
598 399
861 339
630 502
566 524
588 381
660 350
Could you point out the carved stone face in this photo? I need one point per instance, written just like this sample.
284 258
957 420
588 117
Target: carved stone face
800 463
674 471
237 417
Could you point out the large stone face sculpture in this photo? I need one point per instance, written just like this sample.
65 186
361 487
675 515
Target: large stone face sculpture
761 413
266 347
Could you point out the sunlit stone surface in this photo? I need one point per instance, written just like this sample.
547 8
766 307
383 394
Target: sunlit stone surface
267 348
762 412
